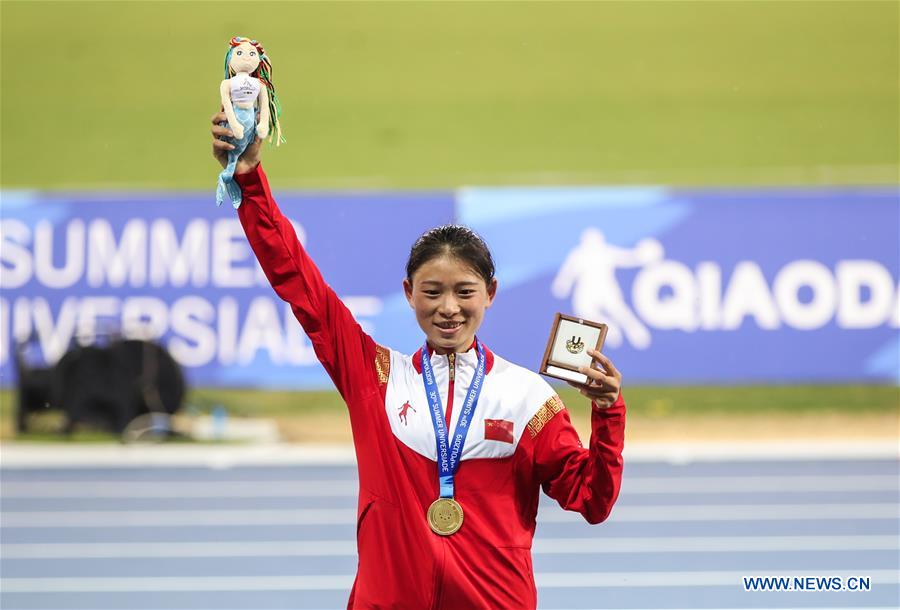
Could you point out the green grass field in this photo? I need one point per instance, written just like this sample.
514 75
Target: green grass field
648 400
817 409
433 94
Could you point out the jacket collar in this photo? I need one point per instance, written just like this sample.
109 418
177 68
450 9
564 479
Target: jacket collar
488 357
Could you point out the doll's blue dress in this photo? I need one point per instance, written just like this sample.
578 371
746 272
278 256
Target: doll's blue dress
243 89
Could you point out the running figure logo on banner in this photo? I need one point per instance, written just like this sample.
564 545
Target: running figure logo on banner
589 275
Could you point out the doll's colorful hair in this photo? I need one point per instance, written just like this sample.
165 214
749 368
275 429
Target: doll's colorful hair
264 74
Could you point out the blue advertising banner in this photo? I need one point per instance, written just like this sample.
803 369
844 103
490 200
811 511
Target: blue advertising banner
697 286
701 286
177 269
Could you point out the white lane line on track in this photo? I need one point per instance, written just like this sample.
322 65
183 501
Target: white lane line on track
326 582
29 456
343 516
687 579
179 489
320 582
737 512
146 550
164 518
743 484
712 544
542 546
329 488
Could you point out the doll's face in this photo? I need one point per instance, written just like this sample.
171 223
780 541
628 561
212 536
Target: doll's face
244 58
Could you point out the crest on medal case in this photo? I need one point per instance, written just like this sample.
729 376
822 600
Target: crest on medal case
575 345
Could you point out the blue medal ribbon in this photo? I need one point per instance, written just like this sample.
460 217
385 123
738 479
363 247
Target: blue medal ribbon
448 455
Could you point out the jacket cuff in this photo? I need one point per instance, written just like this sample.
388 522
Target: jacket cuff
616 410
251 182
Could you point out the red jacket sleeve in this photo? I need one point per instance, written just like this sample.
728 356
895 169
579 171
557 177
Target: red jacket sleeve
346 352
586 480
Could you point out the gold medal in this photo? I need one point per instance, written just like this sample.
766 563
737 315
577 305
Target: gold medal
445 516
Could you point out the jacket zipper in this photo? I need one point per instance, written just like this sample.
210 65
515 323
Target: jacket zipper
437 596
451 362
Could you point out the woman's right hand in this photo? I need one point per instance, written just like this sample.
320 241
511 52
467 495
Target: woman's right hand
220 148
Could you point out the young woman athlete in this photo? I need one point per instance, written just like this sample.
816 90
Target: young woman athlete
430 536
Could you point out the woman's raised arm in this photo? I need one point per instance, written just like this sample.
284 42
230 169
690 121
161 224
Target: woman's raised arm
346 352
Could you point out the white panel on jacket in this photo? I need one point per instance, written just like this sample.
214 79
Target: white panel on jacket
510 397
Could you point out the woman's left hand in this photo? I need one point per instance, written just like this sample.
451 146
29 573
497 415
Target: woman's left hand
604 381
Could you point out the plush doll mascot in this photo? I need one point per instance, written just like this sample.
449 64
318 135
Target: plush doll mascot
250 103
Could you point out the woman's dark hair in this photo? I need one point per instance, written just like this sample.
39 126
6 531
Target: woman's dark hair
452 240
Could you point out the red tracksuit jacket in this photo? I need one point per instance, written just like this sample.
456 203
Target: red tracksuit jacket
520 441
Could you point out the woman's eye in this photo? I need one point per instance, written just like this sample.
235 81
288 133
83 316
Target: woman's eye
240 52
432 293
466 293
252 53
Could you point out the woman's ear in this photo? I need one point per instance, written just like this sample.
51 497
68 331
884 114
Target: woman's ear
492 291
408 290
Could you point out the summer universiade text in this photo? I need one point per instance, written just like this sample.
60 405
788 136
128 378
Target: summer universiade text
199 331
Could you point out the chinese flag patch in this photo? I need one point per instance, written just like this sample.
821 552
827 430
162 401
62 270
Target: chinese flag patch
498 430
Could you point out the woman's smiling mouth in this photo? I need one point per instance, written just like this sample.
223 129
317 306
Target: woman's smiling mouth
448 328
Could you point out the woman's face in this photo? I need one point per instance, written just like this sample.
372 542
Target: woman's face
449 299
244 58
